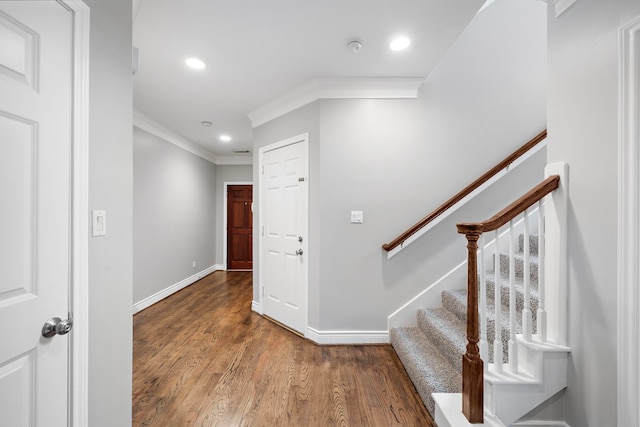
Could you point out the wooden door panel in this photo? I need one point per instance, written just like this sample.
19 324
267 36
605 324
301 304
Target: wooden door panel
239 227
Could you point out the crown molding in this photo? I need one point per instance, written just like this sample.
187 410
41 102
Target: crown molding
147 124
337 88
560 6
235 160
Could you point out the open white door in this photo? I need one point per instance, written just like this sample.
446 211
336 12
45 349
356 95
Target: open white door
36 77
284 231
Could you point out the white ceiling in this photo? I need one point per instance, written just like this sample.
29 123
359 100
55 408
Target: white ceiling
259 50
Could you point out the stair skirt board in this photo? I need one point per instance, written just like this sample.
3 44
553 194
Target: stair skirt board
431 348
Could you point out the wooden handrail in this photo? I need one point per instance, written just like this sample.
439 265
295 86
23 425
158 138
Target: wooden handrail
472 364
464 192
514 209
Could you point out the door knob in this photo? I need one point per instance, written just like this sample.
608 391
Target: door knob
56 326
299 252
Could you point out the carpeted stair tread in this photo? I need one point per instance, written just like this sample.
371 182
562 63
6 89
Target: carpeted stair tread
428 369
445 331
519 287
518 258
455 301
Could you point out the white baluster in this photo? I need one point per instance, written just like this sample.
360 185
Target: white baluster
497 341
527 319
484 349
513 349
542 314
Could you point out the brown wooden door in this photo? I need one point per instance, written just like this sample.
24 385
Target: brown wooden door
239 227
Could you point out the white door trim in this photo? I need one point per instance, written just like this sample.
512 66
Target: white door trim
304 139
628 411
224 217
79 297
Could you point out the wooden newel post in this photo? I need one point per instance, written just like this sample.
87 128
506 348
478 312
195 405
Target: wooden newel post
472 364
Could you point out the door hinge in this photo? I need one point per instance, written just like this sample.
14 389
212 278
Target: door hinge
262 230
263 291
262 169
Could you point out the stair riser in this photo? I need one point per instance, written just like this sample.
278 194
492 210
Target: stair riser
508 401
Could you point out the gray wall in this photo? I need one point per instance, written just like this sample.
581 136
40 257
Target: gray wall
583 129
227 173
174 214
397 160
110 188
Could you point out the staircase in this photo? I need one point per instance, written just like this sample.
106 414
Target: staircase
432 351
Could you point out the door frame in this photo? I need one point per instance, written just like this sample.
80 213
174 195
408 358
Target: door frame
302 139
628 324
225 248
78 294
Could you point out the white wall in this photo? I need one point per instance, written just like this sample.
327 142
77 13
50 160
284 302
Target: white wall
110 188
226 173
583 130
397 160
174 214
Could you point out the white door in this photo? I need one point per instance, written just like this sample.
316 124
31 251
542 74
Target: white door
35 180
283 207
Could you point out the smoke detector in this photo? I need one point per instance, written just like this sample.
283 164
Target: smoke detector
355 45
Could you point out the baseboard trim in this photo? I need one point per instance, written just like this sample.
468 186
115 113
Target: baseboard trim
536 423
347 337
257 307
159 296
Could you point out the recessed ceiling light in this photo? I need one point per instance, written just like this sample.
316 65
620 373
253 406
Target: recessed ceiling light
399 43
225 138
196 64
206 123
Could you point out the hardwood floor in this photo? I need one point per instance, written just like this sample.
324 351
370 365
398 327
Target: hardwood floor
202 358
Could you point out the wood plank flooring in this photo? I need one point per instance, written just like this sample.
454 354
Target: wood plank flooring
202 358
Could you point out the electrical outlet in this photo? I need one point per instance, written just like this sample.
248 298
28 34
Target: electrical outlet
193 265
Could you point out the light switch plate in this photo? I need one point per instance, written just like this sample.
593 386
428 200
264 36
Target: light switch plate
356 217
99 223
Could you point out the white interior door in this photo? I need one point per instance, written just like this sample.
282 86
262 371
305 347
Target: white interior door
284 217
35 180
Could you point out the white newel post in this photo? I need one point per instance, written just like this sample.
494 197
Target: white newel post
555 274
